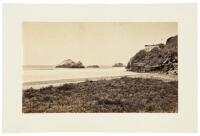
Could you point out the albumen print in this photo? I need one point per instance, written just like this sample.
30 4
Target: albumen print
100 67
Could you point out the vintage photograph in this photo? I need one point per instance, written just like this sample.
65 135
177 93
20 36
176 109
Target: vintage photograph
100 67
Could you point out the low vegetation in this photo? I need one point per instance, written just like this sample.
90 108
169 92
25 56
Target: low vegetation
116 95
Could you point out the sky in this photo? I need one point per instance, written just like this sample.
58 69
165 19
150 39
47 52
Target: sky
93 43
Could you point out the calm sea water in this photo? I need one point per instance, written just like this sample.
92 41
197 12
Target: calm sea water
41 76
50 73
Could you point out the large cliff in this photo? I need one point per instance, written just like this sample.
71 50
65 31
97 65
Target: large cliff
162 59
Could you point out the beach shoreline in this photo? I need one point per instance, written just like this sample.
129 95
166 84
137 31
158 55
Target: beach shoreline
40 84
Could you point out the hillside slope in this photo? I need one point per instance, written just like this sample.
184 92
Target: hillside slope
162 59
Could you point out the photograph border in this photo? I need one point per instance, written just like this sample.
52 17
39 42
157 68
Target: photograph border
183 121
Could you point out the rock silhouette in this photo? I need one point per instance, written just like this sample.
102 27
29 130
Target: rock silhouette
70 64
118 65
93 66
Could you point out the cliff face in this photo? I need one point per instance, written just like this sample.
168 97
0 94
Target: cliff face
70 64
163 58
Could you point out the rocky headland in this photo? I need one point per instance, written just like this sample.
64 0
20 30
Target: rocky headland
157 58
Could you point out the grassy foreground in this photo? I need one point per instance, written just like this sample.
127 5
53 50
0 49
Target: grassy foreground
116 95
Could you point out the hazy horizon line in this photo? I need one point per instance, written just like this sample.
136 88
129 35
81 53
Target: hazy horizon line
56 65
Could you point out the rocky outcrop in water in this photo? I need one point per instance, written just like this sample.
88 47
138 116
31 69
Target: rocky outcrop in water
93 66
159 59
118 65
70 64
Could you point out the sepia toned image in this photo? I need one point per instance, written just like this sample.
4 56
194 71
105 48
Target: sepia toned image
100 67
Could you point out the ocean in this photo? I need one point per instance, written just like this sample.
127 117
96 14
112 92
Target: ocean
41 76
35 75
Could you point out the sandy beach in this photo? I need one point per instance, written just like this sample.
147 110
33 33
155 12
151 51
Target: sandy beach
39 84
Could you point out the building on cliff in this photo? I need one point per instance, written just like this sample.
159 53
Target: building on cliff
150 47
